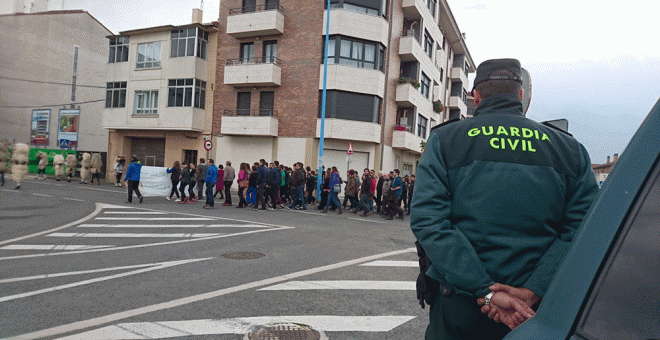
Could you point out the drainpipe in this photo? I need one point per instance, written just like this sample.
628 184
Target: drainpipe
387 81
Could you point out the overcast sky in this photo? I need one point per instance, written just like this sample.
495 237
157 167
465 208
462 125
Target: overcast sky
595 63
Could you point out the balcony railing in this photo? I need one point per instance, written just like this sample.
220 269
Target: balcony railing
251 113
259 8
255 60
411 33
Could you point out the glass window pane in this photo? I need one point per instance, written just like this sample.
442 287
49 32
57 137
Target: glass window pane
111 55
180 82
108 98
191 47
179 96
191 31
124 54
202 100
345 49
122 98
171 97
331 48
173 48
171 82
189 82
196 102
370 52
141 53
182 48
188 97
115 98
175 34
357 50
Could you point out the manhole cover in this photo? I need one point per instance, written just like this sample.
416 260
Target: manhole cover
285 331
243 256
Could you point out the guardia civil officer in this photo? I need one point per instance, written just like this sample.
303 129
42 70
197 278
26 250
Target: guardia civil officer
498 200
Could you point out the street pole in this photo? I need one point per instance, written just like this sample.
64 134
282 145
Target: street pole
319 179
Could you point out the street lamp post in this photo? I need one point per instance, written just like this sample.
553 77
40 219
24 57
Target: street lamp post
319 179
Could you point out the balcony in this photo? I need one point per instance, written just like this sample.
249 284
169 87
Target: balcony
412 9
363 26
410 48
250 123
405 140
167 118
409 96
456 102
245 72
349 130
255 21
458 73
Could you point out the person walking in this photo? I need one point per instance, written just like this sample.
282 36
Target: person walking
220 184
132 179
175 170
201 177
185 181
253 183
243 182
379 191
261 184
210 180
365 194
119 169
411 189
351 190
230 175
310 184
335 189
499 199
395 198
193 182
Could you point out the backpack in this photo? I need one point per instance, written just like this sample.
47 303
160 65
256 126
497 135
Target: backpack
335 182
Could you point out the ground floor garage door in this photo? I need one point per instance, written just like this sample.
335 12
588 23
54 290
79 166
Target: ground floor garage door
150 151
338 158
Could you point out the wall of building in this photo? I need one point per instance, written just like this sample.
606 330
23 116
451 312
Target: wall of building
40 48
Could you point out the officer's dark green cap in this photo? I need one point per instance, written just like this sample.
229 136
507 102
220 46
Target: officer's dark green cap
488 67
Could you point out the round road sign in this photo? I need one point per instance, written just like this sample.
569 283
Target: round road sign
208 145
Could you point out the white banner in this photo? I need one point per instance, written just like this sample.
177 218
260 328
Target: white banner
155 181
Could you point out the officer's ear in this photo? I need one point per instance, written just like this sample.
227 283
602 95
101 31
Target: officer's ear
477 97
521 94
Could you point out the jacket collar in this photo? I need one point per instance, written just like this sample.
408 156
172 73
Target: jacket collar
505 103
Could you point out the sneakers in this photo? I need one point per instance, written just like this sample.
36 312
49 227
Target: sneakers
226 204
325 210
341 210
185 200
141 199
208 207
168 198
177 200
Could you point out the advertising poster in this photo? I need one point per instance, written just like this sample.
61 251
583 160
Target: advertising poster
68 128
40 125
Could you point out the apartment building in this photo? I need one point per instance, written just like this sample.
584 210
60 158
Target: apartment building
159 86
52 71
396 68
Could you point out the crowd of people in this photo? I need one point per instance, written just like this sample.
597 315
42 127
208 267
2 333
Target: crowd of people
271 186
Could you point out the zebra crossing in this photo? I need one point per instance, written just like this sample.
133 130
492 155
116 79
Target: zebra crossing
334 300
120 227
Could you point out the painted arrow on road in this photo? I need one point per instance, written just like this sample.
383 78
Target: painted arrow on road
173 329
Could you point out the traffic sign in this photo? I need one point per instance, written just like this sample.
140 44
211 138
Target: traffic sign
64 143
350 149
208 145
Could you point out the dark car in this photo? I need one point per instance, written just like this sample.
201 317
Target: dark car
609 284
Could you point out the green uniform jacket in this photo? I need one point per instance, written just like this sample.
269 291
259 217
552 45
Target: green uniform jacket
499 198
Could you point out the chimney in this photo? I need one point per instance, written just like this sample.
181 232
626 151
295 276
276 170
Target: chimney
608 160
616 156
197 16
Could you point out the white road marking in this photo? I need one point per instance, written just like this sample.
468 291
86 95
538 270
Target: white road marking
130 235
156 218
48 276
83 187
155 266
171 226
73 199
412 264
137 212
172 329
76 326
7 190
41 195
307 212
49 247
320 285
366 220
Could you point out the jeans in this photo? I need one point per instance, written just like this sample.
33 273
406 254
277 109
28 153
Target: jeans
227 191
209 194
182 189
261 197
298 197
174 189
364 202
191 189
251 195
133 186
200 188
333 199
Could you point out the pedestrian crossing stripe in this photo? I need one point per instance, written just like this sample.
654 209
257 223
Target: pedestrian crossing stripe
186 328
344 285
136 235
412 264
51 247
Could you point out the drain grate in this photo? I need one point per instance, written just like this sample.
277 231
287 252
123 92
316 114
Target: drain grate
243 256
285 331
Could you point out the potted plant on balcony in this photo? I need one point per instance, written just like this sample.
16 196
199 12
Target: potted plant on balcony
400 128
415 83
437 106
403 80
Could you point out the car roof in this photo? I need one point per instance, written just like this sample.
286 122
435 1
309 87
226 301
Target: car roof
566 297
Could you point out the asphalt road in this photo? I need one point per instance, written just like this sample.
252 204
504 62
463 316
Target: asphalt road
76 262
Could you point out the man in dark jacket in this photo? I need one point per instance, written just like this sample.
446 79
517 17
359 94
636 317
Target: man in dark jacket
297 183
261 184
365 194
201 177
132 179
273 180
499 199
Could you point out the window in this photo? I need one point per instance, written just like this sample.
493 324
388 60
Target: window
444 41
115 95
247 52
428 44
243 103
425 85
421 126
180 93
370 7
266 103
352 106
465 94
467 68
624 304
431 4
355 53
249 6
118 50
148 55
442 74
146 102
270 51
184 42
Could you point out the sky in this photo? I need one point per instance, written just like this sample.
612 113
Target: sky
595 63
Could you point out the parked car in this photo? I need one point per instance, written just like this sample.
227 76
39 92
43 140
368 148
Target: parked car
609 284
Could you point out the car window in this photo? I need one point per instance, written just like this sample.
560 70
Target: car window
626 302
